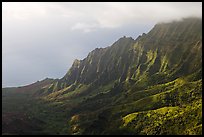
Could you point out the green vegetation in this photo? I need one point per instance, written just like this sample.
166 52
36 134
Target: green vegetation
148 86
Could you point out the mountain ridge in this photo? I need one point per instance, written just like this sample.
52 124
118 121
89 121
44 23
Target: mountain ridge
157 74
98 54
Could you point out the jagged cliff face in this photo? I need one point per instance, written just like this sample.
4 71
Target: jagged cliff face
102 65
168 51
169 56
150 85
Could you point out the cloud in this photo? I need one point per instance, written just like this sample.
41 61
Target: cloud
85 27
102 14
42 39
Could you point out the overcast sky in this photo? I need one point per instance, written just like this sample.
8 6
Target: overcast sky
42 39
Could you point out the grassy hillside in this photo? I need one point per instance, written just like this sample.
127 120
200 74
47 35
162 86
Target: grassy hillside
148 86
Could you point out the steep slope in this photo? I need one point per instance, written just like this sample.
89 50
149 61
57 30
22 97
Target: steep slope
97 66
156 78
169 53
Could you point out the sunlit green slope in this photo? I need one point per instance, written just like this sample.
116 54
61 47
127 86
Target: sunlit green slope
150 85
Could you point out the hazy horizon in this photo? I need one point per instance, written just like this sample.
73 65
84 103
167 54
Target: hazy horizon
42 40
